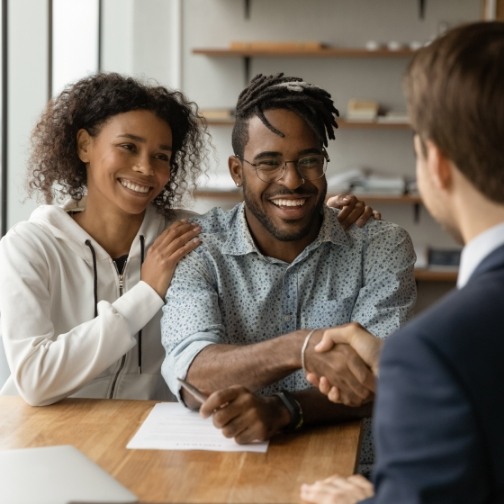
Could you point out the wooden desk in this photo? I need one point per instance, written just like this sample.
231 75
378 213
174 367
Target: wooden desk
102 428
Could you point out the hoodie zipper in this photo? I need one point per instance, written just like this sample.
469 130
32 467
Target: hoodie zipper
123 358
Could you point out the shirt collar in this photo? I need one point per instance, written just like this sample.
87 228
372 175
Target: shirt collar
477 249
240 241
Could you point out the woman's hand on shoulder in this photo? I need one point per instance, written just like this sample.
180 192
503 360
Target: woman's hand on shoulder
162 257
353 210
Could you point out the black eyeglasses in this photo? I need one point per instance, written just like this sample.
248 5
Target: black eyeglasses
309 167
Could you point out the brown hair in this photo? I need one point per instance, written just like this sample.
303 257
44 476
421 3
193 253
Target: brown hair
455 93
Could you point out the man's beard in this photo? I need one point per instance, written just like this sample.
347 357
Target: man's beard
279 234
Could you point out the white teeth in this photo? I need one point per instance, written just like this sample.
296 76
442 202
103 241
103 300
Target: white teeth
288 202
134 187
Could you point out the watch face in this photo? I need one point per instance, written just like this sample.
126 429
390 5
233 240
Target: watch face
294 409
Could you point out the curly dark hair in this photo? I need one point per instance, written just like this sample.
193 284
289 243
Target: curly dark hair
55 169
265 92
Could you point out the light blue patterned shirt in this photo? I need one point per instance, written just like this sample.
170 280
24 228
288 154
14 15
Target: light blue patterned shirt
227 291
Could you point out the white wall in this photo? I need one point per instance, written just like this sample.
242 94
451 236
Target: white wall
138 39
75 41
28 92
28 86
118 39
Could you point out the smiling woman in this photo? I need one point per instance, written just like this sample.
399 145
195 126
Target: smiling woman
83 318
128 166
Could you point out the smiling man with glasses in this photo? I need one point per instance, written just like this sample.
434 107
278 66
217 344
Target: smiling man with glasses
243 311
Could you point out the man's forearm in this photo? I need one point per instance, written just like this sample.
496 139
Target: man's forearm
253 366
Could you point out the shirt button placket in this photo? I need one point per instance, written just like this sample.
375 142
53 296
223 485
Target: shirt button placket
289 301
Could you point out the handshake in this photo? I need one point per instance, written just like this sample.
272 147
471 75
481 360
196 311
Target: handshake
343 363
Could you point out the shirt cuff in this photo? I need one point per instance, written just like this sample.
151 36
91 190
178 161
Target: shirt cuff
138 305
176 364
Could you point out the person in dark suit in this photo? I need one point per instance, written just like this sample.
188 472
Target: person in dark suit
439 413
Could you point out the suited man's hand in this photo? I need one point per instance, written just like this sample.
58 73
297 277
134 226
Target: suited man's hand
366 346
338 490
343 369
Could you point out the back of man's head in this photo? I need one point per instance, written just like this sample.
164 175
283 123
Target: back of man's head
455 93
265 92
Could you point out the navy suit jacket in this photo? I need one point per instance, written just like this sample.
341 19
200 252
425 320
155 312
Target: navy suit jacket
439 412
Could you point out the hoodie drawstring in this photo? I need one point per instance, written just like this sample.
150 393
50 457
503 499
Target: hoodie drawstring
95 289
95 277
142 257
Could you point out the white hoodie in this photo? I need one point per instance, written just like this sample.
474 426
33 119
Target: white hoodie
50 287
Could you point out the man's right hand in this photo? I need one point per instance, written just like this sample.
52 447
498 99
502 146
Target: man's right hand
352 379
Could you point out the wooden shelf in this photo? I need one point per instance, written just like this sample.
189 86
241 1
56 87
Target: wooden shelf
227 195
323 52
342 123
408 199
435 275
329 52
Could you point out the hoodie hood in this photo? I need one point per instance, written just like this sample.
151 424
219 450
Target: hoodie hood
59 223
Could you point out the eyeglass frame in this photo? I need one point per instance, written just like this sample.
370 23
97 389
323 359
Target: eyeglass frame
284 165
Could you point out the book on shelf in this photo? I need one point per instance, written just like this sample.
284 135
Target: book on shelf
217 182
361 110
380 185
437 259
364 181
217 114
444 258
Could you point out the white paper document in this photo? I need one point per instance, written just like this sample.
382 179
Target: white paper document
171 426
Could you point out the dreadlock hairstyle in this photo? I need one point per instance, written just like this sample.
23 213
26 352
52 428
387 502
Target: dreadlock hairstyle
265 92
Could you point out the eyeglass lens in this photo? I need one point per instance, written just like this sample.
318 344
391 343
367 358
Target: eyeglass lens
309 167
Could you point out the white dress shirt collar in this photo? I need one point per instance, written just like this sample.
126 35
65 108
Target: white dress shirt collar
477 249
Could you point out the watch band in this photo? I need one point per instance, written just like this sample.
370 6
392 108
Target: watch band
294 409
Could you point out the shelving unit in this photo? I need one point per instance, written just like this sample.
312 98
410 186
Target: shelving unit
309 51
231 196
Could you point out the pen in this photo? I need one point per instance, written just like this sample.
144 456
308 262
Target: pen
197 394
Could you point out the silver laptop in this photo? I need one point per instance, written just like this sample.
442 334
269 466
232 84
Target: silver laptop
57 475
